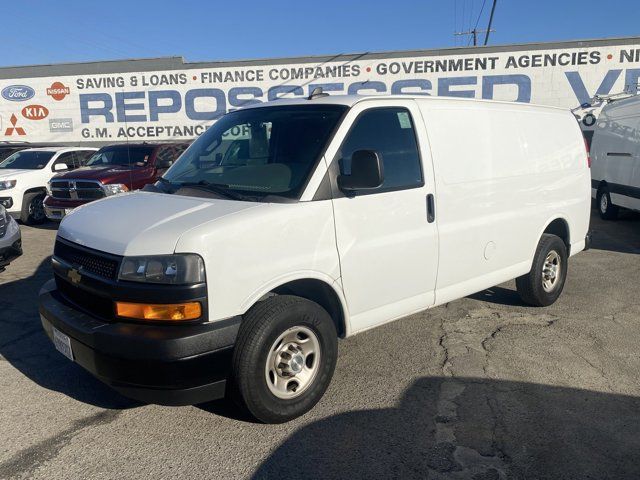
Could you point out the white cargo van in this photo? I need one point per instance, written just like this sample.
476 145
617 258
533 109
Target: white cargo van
615 152
291 224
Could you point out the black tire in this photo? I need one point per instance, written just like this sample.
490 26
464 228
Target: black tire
33 209
261 327
606 208
532 287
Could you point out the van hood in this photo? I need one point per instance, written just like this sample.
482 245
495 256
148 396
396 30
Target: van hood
143 223
103 173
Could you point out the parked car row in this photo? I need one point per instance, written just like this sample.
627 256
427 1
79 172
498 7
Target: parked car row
111 170
45 181
50 181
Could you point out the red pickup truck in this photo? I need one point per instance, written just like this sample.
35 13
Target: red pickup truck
112 169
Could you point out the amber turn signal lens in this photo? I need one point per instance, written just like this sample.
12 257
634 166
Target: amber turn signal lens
169 312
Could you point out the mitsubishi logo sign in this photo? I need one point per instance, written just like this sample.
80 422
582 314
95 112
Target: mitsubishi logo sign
19 130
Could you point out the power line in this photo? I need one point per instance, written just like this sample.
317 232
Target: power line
473 32
480 14
493 9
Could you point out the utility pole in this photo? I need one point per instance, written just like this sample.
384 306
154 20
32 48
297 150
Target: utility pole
475 33
493 9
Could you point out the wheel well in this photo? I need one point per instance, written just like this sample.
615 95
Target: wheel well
602 185
321 293
36 190
560 228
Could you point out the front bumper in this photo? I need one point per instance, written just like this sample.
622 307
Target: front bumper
163 364
56 209
10 244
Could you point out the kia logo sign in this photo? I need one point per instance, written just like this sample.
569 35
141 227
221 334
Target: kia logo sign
18 93
35 112
58 91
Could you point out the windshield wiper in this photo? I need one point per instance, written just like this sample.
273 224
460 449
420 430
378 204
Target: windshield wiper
217 188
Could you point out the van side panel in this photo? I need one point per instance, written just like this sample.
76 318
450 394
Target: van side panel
503 173
615 152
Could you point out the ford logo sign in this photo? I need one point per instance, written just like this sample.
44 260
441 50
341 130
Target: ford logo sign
18 93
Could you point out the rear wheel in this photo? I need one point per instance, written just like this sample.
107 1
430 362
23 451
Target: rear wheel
606 208
33 209
544 283
284 358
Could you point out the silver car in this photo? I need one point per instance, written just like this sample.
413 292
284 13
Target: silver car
10 239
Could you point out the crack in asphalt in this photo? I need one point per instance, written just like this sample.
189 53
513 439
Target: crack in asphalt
26 461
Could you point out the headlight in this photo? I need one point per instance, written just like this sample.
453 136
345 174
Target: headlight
114 189
48 187
7 184
169 269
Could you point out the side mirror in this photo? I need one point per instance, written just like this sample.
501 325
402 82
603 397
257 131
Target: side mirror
367 172
166 163
60 167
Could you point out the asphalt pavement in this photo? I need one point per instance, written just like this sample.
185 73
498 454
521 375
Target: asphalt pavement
480 388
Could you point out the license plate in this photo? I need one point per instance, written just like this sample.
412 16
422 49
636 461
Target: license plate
62 343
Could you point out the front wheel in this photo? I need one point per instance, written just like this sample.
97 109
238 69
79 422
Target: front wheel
544 283
33 209
284 358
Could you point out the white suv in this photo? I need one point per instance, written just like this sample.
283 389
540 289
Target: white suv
288 225
24 176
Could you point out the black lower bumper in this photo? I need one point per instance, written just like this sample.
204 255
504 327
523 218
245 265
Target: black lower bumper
163 364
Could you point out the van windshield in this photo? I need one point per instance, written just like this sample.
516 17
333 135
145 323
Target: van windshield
258 152
120 156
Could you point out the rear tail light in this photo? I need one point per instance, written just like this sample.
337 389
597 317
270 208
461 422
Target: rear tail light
586 147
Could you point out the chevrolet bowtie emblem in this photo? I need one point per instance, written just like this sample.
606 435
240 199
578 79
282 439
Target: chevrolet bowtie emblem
74 276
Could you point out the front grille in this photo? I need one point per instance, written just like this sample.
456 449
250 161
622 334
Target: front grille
94 304
76 190
85 260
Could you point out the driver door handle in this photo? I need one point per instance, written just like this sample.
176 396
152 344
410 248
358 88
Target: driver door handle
431 208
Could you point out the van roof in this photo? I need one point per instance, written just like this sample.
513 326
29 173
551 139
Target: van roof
351 100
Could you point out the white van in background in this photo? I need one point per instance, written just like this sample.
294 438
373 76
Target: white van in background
290 224
615 155
24 176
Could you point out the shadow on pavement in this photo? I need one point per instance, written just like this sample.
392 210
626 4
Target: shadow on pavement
621 235
24 344
472 429
500 296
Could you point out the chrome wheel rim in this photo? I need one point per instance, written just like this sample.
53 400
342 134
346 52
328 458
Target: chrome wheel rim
551 271
293 362
36 209
604 203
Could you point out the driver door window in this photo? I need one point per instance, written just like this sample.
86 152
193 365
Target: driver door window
389 132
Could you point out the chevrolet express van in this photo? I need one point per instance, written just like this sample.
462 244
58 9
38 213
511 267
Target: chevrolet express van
615 152
289 225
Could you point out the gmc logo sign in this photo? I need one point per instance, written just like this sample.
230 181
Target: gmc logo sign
35 112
